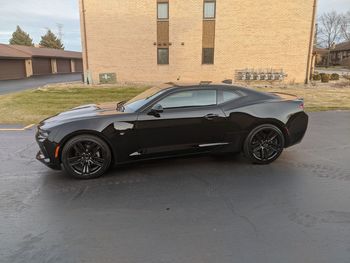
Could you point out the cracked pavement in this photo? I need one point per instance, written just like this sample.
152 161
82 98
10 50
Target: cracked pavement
201 209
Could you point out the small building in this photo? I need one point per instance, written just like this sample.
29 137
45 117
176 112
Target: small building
340 54
18 62
197 40
320 56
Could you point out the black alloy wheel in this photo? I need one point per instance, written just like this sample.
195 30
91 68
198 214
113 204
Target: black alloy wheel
86 157
264 144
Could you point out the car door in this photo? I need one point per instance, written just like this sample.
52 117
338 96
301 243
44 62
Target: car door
190 121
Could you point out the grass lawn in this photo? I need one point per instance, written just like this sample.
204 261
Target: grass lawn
31 106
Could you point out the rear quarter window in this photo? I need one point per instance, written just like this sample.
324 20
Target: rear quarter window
227 95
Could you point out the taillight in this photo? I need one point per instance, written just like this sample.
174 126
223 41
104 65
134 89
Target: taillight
301 105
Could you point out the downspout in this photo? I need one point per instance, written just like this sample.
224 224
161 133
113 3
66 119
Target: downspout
311 43
87 77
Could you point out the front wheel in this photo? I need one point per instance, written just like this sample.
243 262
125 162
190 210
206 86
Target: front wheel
86 157
264 144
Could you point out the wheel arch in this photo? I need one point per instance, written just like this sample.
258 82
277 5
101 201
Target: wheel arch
100 135
280 125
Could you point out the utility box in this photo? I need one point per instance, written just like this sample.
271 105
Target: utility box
108 78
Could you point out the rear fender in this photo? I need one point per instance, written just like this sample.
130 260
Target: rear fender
278 113
297 126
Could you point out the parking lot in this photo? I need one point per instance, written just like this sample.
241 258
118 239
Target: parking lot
200 209
9 86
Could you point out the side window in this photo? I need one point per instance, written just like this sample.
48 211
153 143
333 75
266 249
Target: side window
190 98
226 95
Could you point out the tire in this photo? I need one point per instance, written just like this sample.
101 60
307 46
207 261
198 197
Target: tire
86 157
264 144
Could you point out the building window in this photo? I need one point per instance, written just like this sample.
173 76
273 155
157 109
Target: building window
163 10
163 56
208 56
209 9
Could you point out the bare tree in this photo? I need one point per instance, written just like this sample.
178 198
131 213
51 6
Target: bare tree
330 29
345 26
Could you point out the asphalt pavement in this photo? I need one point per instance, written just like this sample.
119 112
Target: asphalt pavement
186 210
9 86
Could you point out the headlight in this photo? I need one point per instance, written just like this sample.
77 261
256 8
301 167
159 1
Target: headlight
42 135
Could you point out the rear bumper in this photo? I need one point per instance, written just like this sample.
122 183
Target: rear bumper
296 127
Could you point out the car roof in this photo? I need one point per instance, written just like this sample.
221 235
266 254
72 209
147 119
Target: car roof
173 86
243 91
169 87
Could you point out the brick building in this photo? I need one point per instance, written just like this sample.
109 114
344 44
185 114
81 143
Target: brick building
196 40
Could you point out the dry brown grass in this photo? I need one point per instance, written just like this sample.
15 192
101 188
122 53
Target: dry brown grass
321 97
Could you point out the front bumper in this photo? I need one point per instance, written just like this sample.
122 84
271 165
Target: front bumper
47 161
46 154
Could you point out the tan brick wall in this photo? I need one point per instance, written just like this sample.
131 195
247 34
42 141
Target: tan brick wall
249 34
72 65
53 65
29 67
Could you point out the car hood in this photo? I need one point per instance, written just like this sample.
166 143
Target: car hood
82 112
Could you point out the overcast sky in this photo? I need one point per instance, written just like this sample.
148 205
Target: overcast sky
35 16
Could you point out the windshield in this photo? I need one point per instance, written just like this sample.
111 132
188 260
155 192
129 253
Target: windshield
142 99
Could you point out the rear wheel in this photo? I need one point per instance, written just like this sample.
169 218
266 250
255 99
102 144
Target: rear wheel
264 144
86 157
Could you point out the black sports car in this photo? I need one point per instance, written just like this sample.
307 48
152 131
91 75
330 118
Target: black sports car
168 121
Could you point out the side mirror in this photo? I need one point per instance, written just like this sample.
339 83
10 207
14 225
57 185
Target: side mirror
156 109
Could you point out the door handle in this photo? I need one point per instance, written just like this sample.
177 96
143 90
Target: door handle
211 116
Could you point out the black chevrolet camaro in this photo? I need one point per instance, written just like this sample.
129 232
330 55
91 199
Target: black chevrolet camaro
170 121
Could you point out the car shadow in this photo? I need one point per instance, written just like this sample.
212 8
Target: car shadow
177 162
155 167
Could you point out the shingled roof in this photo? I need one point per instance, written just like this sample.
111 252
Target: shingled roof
17 51
342 46
7 52
318 50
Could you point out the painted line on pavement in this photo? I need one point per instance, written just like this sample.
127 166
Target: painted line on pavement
18 129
